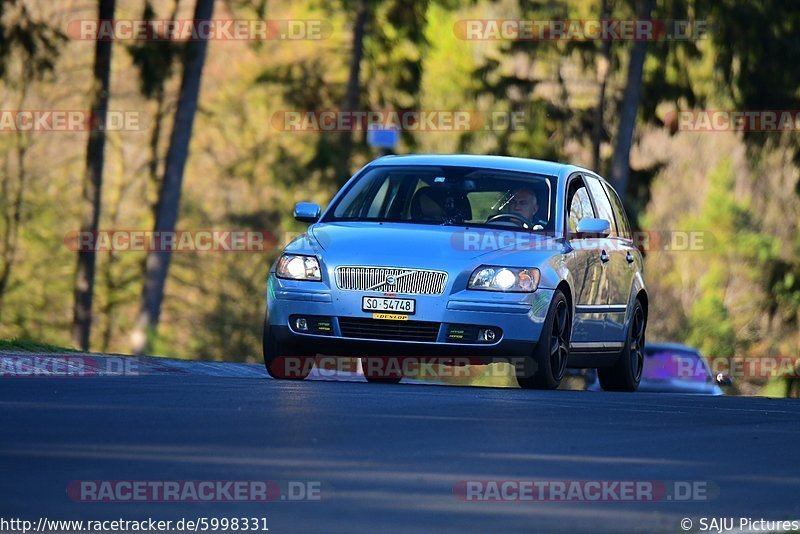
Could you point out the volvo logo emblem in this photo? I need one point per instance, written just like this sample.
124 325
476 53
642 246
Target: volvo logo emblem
391 280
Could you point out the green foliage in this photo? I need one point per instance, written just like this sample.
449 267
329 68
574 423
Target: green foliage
740 294
737 247
671 72
393 52
755 43
711 328
781 387
28 345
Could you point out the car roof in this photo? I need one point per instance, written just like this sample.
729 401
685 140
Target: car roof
504 163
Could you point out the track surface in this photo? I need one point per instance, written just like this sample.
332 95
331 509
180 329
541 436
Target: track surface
389 456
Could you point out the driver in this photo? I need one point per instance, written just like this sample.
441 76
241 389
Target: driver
523 202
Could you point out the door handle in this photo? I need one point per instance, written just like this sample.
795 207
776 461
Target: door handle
604 257
629 257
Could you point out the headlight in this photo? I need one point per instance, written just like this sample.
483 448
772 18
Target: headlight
511 279
298 268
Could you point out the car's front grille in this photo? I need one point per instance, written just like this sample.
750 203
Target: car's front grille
389 330
406 281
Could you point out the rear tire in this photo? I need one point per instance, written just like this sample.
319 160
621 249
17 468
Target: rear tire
549 362
282 363
626 373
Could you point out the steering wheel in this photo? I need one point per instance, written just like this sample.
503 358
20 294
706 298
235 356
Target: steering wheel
513 217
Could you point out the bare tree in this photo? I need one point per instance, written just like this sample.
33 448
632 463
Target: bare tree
11 207
620 165
353 88
93 184
157 264
155 60
36 45
603 67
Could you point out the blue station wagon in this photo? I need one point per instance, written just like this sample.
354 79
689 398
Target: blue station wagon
463 259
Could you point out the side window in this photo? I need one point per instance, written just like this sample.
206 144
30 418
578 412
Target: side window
604 210
580 206
624 229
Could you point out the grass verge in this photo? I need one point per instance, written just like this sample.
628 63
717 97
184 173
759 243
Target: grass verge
28 345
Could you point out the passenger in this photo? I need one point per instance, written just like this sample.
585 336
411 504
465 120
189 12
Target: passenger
426 206
439 204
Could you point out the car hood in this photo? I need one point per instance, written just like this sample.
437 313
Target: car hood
426 246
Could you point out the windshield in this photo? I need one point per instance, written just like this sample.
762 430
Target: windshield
448 196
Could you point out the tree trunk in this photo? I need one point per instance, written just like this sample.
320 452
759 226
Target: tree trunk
92 185
12 214
603 67
155 142
158 124
620 166
157 264
353 90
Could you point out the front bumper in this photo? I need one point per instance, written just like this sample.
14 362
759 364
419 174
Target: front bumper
517 317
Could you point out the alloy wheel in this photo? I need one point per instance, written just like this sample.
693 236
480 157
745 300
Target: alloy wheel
559 341
637 343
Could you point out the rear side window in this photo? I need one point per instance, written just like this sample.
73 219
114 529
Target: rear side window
624 229
601 202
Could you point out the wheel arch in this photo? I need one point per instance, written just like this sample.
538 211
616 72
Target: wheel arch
642 296
564 287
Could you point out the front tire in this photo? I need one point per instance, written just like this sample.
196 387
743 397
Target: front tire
626 373
282 363
549 363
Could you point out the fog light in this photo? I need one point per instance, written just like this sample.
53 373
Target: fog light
301 324
487 335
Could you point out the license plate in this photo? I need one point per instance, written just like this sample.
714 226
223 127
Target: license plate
390 305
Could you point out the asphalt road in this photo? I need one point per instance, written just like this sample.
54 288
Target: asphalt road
389 457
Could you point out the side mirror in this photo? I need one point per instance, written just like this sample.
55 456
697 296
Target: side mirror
307 212
590 227
724 380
